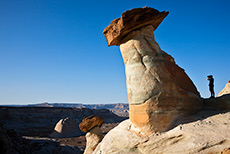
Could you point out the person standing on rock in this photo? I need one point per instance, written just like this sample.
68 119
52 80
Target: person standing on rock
211 85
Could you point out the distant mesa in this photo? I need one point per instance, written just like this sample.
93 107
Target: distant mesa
226 90
120 109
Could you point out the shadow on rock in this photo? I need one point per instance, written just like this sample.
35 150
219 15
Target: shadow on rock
212 106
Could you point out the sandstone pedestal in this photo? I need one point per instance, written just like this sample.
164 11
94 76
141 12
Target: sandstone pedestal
94 135
159 91
93 138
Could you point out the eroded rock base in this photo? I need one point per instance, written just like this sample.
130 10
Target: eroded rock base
93 138
202 133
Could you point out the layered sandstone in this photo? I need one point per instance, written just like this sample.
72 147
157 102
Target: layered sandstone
159 91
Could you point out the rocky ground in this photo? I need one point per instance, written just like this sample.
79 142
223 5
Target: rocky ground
206 132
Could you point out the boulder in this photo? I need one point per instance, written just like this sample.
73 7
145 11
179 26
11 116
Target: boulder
226 89
90 122
131 20
159 91
65 128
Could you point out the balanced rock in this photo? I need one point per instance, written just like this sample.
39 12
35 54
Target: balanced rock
226 89
65 128
131 20
159 91
94 135
90 122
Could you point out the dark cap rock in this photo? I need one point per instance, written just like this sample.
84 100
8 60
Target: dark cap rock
90 122
131 20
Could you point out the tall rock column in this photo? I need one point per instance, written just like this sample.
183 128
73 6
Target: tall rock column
159 91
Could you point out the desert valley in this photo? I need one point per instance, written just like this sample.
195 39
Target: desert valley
28 128
165 114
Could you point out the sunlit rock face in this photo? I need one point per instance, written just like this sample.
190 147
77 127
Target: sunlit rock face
226 90
159 91
93 138
65 128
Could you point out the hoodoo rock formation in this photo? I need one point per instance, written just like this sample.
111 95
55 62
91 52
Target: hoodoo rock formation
159 91
65 128
94 135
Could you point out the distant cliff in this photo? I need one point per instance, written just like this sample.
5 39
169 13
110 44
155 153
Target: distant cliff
120 109
40 121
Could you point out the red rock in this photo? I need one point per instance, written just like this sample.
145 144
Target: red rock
131 20
90 122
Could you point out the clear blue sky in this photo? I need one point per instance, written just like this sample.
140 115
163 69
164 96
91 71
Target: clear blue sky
54 50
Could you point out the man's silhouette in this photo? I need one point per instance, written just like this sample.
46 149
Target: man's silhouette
211 85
